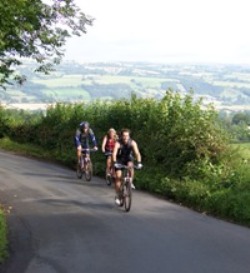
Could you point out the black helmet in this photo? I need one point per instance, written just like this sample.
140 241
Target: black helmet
84 125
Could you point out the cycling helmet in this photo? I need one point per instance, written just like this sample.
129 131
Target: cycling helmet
84 125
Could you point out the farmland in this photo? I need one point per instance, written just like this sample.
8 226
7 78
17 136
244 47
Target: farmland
227 87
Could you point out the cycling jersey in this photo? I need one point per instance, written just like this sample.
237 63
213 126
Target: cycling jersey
110 144
84 139
124 154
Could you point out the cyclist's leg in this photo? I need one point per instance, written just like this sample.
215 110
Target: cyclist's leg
118 177
108 164
131 165
131 171
111 167
78 153
112 171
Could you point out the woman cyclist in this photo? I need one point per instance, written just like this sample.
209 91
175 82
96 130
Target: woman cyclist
108 144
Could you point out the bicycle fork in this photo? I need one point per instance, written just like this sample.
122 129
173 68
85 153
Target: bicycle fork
127 183
84 161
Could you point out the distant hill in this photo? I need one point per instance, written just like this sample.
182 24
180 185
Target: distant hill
227 86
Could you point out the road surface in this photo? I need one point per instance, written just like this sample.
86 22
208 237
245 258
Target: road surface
61 224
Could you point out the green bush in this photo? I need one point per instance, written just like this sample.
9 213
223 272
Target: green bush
230 204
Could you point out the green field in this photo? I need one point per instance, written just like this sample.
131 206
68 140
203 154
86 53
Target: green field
67 87
244 149
238 76
64 81
232 84
75 80
67 93
226 85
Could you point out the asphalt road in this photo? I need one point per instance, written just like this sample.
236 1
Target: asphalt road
59 223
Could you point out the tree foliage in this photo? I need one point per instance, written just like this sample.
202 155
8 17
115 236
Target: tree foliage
38 30
241 117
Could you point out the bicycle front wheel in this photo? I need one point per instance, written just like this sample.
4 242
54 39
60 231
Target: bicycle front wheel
109 179
88 171
127 196
78 171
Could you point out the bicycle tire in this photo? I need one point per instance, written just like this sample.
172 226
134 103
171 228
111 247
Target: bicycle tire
109 179
88 171
121 202
127 196
78 171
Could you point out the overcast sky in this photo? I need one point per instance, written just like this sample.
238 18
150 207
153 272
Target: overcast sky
196 31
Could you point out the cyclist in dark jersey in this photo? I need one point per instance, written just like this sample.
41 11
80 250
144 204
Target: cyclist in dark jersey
123 153
83 137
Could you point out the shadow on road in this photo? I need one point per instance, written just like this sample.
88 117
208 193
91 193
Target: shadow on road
48 175
74 203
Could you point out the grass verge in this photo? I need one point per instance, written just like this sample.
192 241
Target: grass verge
3 237
24 149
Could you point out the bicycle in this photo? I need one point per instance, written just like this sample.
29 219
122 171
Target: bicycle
110 175
126 186
85 167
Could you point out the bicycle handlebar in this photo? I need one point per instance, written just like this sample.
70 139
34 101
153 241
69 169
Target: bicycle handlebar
122 166
89 150
108 153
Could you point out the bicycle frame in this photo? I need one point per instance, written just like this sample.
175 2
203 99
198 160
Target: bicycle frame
126 189
85 166
126 170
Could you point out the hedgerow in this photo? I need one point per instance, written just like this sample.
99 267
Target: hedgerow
185 149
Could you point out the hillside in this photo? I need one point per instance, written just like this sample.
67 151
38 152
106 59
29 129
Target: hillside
227 86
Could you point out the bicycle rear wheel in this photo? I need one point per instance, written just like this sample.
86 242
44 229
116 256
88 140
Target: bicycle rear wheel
127 196
88 171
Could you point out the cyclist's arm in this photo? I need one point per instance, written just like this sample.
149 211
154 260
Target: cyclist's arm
93 139
104 141
114 154
136 151
77 138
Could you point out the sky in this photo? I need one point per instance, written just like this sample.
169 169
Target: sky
165 31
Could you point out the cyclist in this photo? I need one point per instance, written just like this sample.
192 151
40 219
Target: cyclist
123 153
108 144
84 135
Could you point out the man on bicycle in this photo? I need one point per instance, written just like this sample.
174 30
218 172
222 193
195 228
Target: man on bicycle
123 153
84 135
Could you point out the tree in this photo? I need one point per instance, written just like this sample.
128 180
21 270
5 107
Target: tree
241 117
38 30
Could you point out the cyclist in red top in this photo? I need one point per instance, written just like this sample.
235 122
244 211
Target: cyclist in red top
108 144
